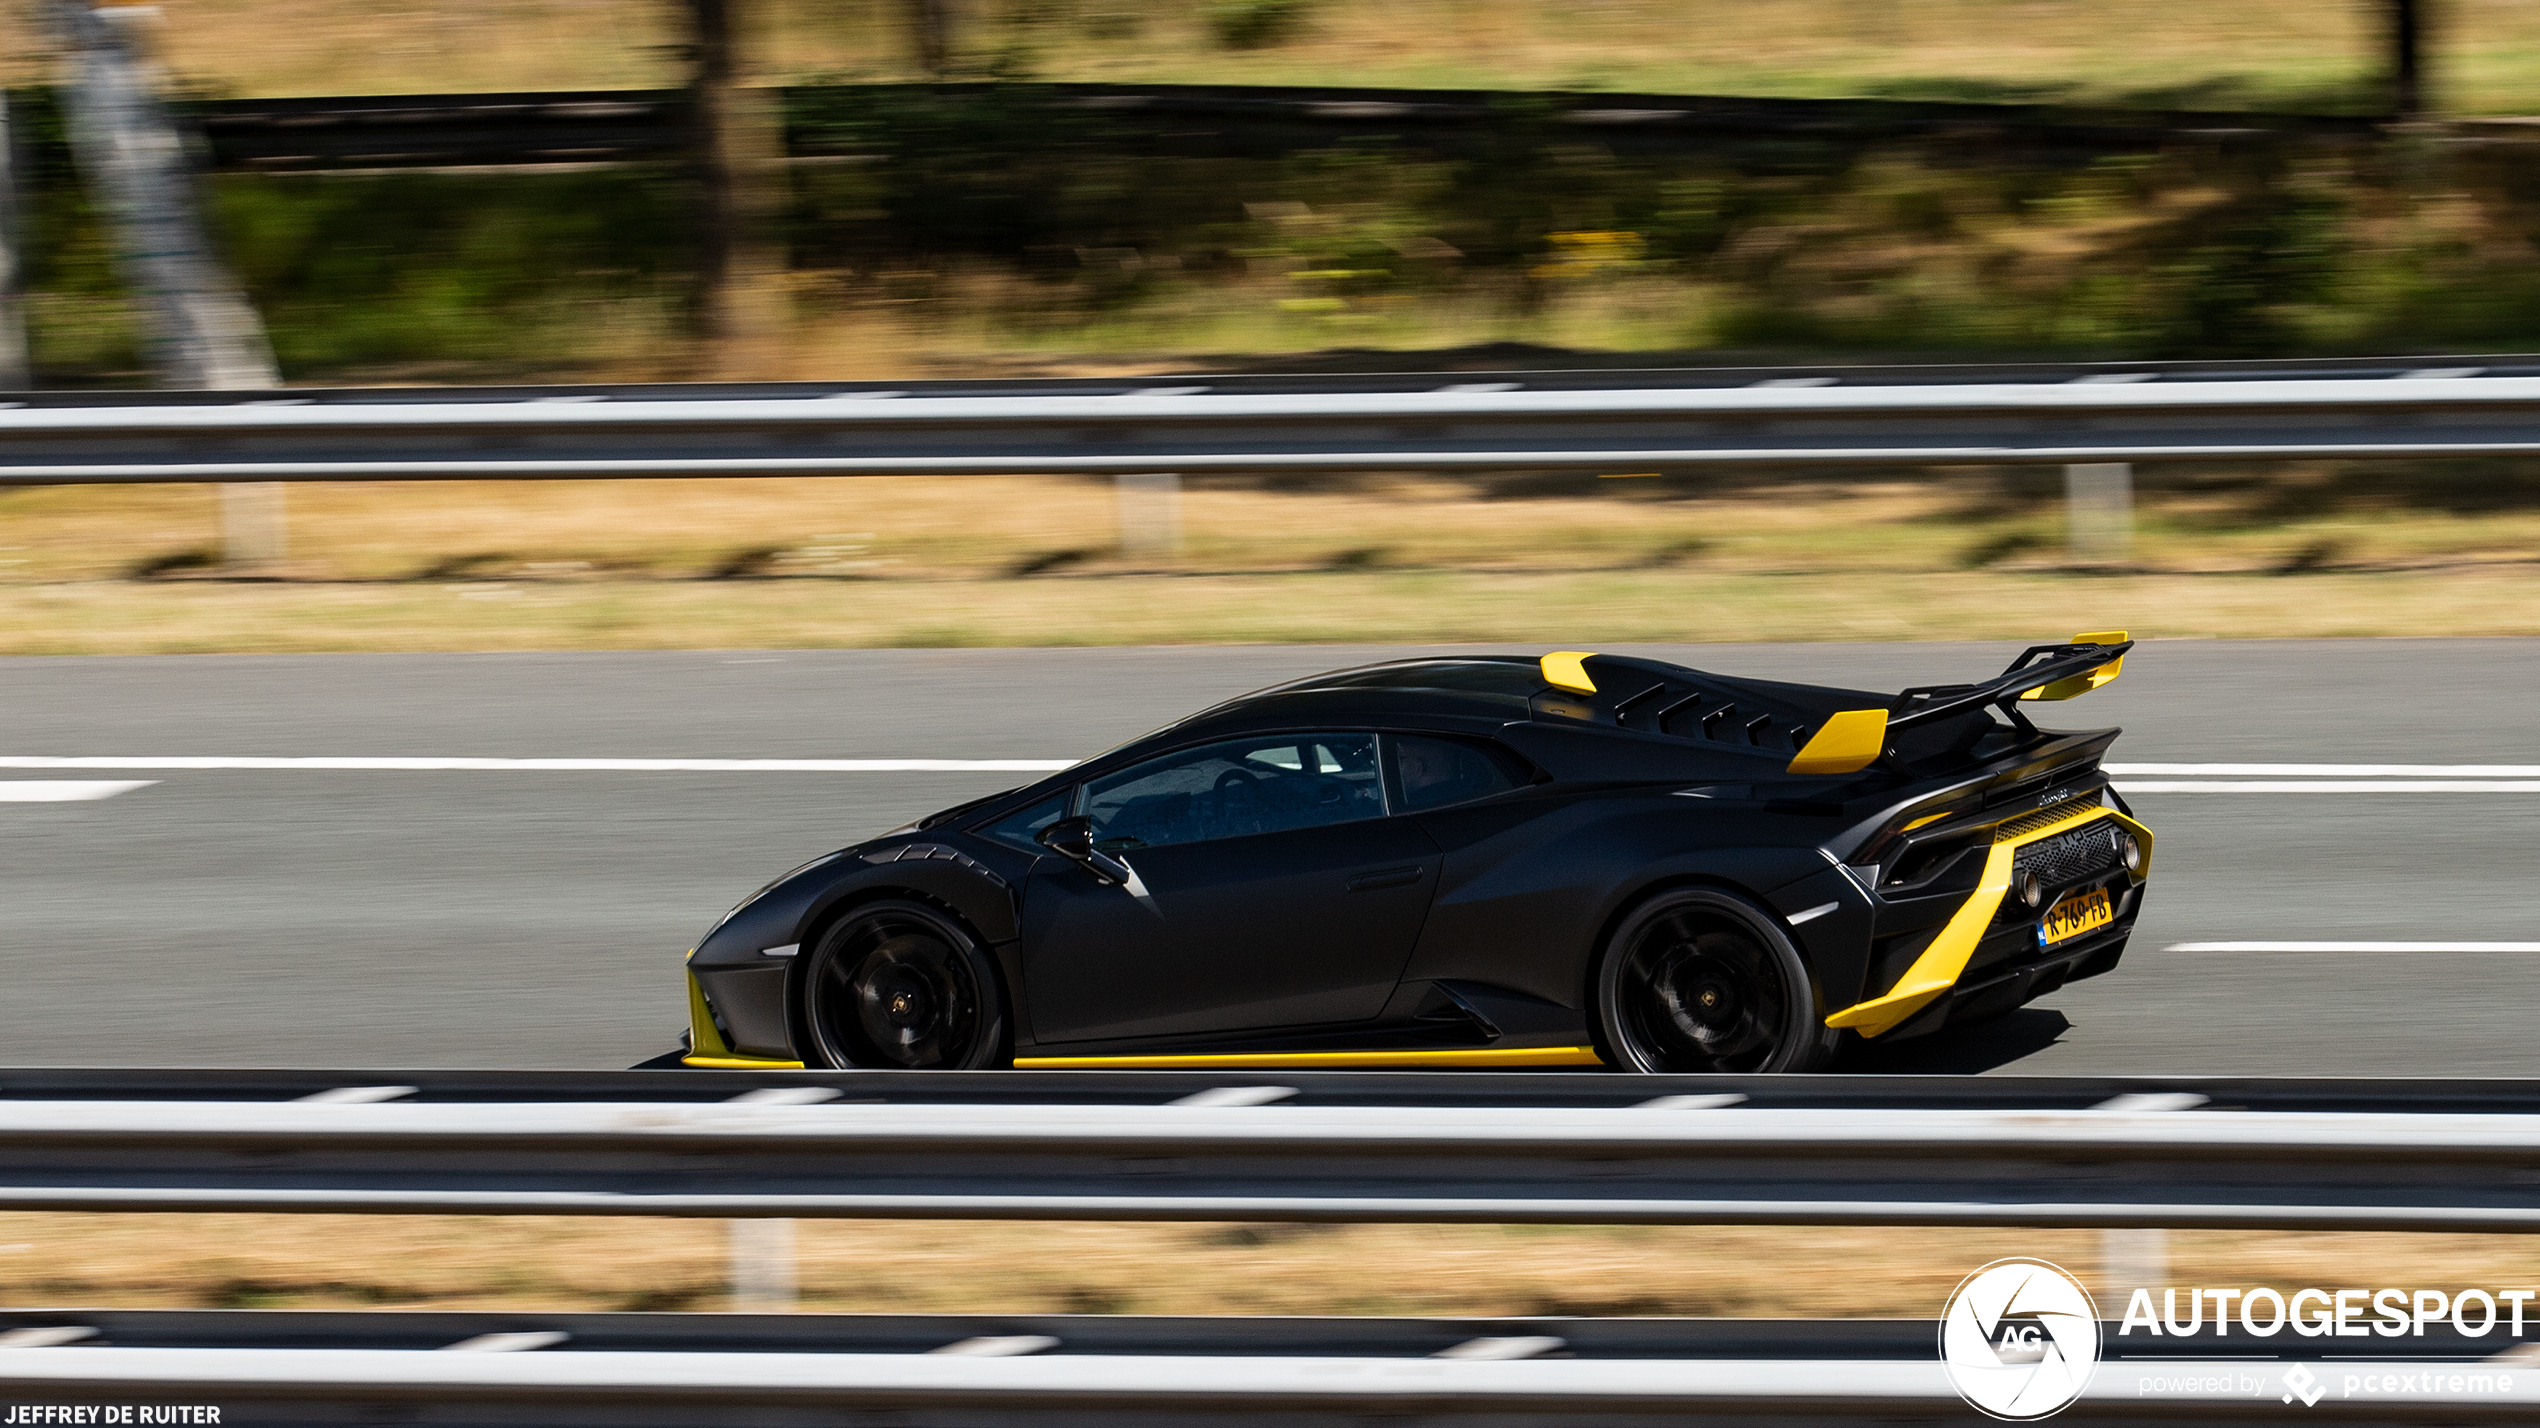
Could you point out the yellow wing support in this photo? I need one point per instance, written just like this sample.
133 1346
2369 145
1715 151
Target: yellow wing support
1850 742
2088 679
1567 669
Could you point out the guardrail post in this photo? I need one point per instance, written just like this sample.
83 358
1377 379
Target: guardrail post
1150 513
254 527
203 334
762 1265
2099 511
15 374
2130 1260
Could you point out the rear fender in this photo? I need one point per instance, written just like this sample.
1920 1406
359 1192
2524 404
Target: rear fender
1527 906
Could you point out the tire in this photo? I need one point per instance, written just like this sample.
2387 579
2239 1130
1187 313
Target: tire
1700 980
901 986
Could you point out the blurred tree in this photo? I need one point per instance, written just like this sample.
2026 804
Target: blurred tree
740 156
931 24
2407 58
13 367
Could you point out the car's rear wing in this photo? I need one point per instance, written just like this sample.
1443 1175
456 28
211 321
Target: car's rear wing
1854 739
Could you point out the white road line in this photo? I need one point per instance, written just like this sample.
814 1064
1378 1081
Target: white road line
66 790
2329 786
2331 770
2353 947
432 765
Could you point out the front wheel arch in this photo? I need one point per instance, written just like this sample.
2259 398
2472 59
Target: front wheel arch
1803 1042
799 978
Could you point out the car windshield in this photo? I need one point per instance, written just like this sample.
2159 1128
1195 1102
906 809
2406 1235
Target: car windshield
1265 784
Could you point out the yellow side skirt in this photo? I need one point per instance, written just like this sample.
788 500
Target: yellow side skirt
739 1063
1268 1060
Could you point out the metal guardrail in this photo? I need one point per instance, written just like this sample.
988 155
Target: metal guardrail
2163 1159
612 126
1487 1090
1188 428
640 1369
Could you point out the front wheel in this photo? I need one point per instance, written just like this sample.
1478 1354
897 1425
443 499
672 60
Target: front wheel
901 985
1704 981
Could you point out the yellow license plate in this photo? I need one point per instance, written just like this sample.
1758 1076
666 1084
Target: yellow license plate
2076 915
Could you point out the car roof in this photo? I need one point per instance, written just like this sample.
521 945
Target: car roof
1494 687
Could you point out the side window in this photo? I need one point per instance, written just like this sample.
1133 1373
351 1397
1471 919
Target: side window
1015 830
1265 784
1438 772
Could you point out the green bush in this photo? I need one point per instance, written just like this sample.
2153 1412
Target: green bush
1256 24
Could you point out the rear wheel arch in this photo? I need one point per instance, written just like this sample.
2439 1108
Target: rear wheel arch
1805 1043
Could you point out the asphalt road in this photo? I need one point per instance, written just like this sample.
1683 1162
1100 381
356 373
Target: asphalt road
526 918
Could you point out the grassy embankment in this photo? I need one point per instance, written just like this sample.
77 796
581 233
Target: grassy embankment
316 1261
2283 54
1004 561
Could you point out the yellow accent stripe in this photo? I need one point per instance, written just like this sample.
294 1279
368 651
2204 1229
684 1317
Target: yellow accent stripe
740 1063
1567 669
1926 818
1482 1056
1938 968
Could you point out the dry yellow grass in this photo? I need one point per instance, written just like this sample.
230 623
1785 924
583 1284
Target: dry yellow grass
280 1261
214 618
1006 561
2258 50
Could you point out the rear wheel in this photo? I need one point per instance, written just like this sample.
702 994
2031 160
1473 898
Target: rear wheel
901 985
1704 981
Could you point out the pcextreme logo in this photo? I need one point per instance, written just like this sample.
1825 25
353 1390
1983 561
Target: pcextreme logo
2020 1340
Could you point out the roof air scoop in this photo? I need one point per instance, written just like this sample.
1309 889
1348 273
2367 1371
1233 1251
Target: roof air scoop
1567 669
1850 742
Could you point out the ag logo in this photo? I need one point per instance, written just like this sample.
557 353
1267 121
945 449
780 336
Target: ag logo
2020 1340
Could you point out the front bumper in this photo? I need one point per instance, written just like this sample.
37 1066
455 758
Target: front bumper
1983 959
708 1047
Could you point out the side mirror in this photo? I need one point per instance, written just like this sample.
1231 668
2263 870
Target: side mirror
1073 839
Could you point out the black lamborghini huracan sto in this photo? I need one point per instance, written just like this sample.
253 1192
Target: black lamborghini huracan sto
1572 860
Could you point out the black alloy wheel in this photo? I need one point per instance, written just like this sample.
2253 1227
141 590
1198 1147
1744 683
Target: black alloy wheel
1704 981
901 985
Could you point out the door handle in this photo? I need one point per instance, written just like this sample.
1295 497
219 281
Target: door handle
1389 878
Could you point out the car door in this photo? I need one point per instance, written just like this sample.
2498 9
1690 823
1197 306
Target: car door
1272 889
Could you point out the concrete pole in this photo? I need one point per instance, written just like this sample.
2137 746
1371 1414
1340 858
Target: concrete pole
1150 514
2130 1260
202 333
762 1265
2099 509
16 375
